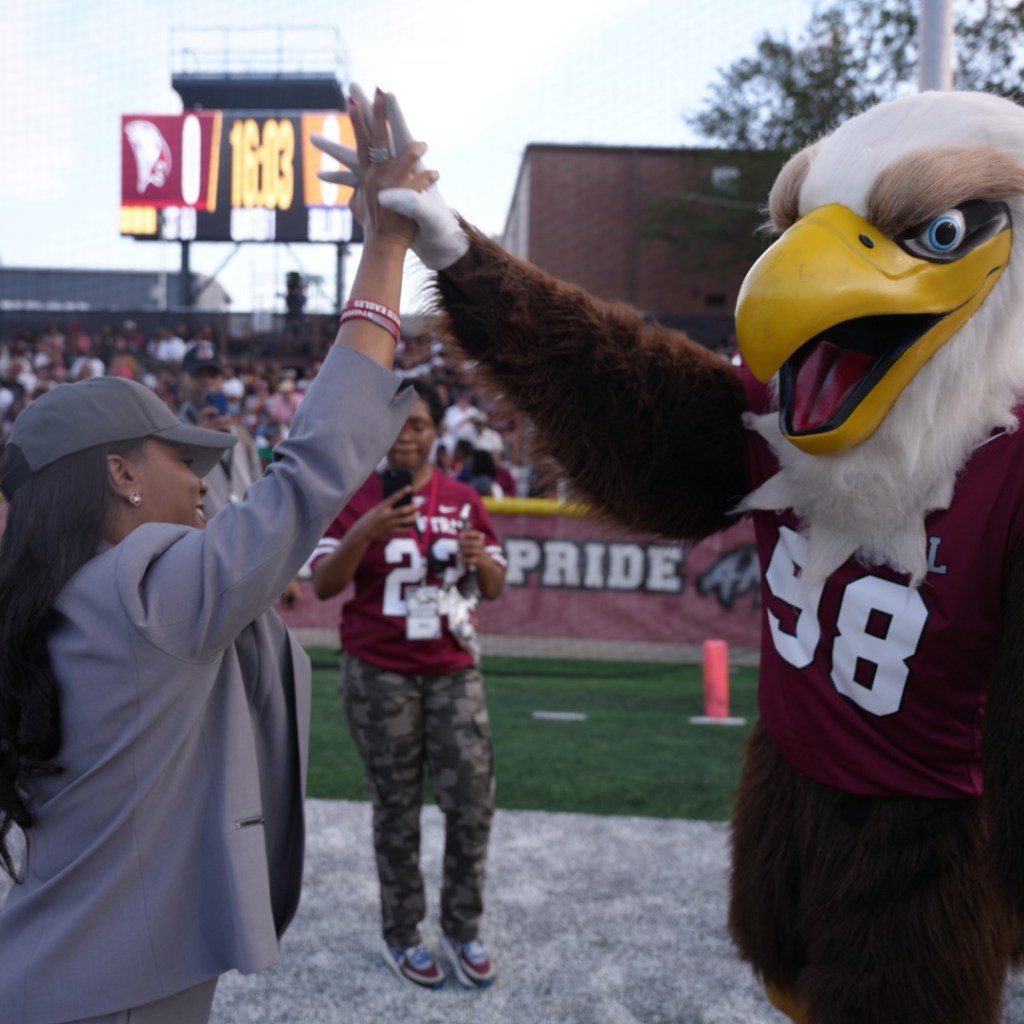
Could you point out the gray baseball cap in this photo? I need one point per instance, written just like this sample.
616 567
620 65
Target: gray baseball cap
97 411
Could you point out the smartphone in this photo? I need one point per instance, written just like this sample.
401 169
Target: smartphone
218 400
395 480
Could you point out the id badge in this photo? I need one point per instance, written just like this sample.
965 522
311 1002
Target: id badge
423 619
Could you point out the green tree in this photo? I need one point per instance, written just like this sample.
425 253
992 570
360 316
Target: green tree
989 48
851 55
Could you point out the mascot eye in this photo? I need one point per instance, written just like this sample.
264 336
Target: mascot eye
956 232
939 239
945 232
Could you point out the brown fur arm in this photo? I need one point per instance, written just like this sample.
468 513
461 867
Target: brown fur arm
644 422
1003 748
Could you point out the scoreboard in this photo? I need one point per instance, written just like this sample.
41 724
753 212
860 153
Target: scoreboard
216 176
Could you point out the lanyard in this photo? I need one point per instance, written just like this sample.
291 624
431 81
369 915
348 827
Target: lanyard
423 538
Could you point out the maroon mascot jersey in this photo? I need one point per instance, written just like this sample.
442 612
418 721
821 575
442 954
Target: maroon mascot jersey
373 621
870 685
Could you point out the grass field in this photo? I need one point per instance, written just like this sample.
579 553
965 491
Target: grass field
636 751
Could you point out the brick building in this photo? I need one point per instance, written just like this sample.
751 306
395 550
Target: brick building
586 214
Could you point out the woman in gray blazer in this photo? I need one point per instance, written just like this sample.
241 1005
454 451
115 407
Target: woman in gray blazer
153 708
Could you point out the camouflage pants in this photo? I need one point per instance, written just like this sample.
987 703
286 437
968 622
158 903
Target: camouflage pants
398 723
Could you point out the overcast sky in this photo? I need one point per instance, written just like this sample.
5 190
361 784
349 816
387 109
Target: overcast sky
479 80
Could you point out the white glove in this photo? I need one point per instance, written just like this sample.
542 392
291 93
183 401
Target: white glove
440 240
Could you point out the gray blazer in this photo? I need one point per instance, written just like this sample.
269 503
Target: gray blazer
170 849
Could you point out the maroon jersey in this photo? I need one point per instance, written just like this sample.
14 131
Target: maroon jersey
373 622
868 684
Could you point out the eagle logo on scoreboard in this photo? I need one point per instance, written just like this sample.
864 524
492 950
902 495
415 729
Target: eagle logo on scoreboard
152 154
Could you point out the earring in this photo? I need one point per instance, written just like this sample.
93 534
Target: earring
135 498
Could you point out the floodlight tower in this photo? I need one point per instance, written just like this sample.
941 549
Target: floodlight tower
269 70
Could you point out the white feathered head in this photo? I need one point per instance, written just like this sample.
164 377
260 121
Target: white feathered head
889 316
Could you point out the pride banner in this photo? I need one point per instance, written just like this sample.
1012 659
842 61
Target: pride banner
576 587
576 578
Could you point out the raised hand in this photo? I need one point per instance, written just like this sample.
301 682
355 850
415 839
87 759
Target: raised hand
345 154
376 165
440 240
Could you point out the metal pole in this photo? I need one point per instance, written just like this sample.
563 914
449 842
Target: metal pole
935 36
185 294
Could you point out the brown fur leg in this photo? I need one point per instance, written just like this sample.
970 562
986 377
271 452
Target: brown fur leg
902 920
767 865
785 1003
892 914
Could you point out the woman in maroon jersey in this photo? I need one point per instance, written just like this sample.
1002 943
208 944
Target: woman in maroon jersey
411 687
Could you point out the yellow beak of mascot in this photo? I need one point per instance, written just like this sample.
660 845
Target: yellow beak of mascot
847 316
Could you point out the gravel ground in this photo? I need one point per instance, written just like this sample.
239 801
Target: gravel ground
591 920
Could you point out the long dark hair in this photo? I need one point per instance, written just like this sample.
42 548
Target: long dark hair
55 524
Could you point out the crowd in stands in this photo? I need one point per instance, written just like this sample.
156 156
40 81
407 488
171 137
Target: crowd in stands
480 442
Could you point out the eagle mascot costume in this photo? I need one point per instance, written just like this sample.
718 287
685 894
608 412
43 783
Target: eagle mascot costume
872 435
